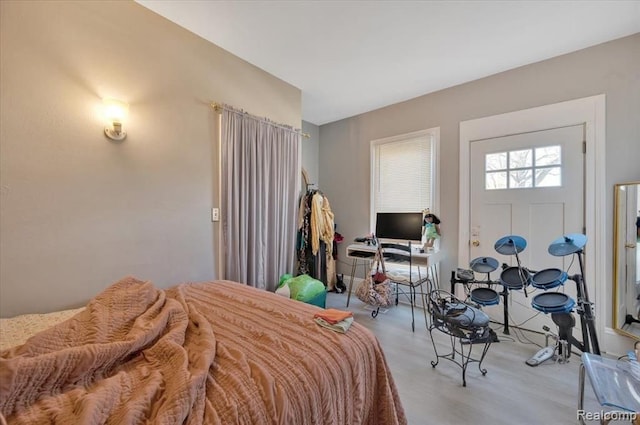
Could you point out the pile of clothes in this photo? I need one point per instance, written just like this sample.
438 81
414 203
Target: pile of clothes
336 320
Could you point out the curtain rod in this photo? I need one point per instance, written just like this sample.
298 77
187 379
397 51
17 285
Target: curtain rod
218 107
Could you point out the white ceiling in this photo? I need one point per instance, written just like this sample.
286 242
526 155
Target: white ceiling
349 57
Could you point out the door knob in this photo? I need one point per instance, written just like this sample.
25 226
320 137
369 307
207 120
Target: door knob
475 243
630 245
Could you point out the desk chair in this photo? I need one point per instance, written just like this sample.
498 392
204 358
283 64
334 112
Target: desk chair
404 273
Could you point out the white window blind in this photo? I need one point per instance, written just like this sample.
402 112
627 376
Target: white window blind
402 174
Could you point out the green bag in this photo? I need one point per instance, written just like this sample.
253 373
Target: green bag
304 288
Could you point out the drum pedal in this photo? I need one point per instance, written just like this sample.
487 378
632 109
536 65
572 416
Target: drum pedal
542 355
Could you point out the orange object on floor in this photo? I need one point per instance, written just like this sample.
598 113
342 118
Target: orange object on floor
333 316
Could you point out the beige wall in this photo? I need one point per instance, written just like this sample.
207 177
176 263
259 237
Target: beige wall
612 68
310 149
79 211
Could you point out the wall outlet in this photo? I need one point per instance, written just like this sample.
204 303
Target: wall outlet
215 214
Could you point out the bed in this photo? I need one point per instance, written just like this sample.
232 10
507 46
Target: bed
198 353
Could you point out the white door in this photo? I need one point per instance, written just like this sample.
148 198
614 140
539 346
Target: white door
530 185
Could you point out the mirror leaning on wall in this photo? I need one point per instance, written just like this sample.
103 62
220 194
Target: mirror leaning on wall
626 259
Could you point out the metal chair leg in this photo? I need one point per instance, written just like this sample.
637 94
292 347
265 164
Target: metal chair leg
354 265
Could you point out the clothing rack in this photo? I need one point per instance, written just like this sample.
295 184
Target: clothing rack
321 264
308 263
305 177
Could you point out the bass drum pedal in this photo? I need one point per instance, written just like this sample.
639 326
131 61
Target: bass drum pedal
541 356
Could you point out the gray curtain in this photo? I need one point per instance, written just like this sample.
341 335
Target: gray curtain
260 190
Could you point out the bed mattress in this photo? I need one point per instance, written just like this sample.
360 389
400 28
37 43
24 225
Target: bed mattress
200 353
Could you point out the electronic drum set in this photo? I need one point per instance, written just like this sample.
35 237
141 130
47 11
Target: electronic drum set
516 278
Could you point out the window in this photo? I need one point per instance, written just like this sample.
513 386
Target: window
402 171
524 168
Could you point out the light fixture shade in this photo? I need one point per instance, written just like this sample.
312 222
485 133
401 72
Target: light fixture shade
115 112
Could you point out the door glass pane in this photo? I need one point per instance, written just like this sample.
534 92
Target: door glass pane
516 169
520 159
520 178
548 177
548 155
496 161
496 180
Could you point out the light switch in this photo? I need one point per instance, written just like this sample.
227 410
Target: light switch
215 214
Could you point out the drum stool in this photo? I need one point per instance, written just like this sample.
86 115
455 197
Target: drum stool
464 324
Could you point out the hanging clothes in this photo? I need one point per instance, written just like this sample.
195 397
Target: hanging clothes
315 238
321 223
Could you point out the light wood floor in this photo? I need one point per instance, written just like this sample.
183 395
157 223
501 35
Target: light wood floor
510 393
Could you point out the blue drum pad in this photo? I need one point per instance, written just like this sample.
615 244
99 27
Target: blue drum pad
553 302
515 278
485 296
549 278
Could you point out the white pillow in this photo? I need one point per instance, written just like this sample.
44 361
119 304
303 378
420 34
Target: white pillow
16 330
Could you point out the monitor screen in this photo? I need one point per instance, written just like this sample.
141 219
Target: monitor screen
399 226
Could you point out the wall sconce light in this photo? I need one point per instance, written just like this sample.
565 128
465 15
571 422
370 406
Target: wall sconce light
115 112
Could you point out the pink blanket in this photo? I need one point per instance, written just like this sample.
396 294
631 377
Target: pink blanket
203 353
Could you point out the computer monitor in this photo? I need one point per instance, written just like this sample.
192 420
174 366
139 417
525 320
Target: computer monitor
406 226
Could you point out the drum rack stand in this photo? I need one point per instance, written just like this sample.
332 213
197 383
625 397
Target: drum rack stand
565 319
566 322
468 282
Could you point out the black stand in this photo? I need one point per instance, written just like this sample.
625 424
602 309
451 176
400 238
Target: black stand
586 312
505 308
566 321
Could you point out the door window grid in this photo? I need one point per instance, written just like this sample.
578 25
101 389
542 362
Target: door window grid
524 168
